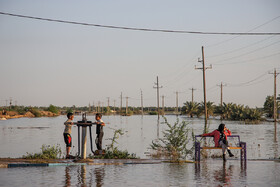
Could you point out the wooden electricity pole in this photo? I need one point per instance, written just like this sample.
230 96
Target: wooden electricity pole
162 104
157 87
126 110
221 86
176 102
275 73
121 105
114 106
192 89
142 103
204 86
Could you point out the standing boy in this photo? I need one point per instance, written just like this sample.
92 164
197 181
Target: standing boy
67 134
99 132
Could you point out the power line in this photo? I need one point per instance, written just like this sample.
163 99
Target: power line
235 50
244 54
248 82
250 60
247 31
140 29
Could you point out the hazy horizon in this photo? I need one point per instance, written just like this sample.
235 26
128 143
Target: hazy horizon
43 63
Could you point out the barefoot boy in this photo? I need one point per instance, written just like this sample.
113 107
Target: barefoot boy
67 134
99 132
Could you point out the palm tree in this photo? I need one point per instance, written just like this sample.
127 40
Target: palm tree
190 108
210 108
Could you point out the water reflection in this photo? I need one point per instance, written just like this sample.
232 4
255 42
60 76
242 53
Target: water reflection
96 176
82 175
67 177
224 174
99 176
221 175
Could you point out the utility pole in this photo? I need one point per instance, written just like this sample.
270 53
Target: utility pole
89 107
157 87
204 85
176 102
121 105
11 102
126 110
98 109
142 103
221 86
192 89
108 108
275 73
114 105
162 104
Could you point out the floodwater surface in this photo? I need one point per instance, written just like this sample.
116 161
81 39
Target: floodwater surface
18 136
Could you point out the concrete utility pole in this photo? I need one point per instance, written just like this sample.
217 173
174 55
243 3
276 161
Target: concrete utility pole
192 89
221 86
162 104
275 73
98 109
142 109
108 100
121 105
204 85
114 105
176 102
157 87
11 102
126 110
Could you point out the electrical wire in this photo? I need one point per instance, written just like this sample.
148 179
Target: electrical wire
140 29
248 61
244 54
235 50
247 31
246 83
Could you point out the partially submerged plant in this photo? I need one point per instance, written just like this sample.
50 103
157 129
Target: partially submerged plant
113 152
48 152
174 143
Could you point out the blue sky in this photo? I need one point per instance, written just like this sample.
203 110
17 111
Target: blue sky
44 63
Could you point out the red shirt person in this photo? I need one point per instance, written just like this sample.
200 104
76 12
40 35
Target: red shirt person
220 139
216 134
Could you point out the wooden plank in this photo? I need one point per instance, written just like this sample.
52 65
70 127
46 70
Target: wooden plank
220 147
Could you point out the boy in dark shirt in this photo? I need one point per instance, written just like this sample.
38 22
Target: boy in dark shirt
99 132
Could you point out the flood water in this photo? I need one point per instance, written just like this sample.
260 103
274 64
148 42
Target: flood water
18 136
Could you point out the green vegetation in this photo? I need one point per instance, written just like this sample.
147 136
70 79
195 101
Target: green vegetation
268 106
228 111
35 112
53 109
174 143
48 152
113 152
153 113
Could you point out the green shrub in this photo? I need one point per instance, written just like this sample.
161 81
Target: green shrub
35 112
153 113
173 145
53 109
113 152
48 152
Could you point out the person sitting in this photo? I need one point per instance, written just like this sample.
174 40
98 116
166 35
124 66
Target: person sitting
220 139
